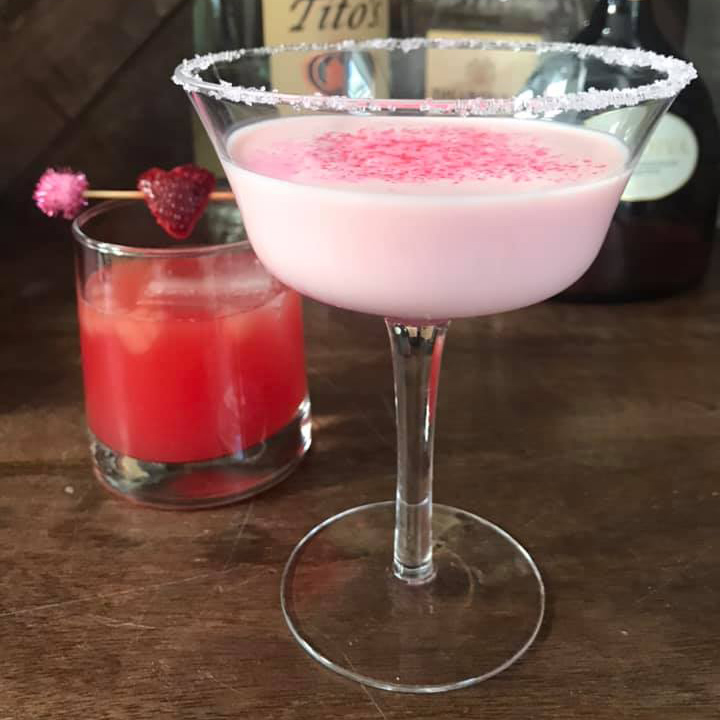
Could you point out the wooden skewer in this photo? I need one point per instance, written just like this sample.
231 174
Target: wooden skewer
218 196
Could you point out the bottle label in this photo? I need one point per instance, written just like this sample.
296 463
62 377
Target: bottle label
300 21
291 22
667 163
478 73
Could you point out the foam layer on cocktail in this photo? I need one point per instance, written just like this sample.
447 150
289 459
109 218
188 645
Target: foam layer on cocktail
425 218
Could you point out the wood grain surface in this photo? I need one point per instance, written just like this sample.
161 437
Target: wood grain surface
58 59
588 432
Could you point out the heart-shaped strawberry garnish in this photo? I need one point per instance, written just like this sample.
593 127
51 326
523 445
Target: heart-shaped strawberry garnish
177 198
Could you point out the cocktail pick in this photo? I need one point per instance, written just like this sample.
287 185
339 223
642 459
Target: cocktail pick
177 198
61 192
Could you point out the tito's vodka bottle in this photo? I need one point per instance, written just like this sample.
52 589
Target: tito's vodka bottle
231 24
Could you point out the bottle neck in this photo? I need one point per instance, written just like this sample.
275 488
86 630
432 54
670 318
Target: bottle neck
622 20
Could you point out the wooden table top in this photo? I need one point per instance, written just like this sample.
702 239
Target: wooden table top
588 432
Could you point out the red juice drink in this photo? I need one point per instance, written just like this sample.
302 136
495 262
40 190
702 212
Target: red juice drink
191 359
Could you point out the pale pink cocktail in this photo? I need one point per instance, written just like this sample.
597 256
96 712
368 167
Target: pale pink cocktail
388 198
425 218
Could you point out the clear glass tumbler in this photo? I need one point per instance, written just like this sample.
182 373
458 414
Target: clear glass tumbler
193 360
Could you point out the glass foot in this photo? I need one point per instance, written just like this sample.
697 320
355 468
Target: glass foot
194 485
476 617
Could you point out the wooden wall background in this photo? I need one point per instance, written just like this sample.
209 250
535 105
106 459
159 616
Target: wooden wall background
86 83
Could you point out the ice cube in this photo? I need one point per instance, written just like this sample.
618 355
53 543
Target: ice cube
247 286
137 335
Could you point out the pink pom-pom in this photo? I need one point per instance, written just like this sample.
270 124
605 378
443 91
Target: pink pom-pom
60 192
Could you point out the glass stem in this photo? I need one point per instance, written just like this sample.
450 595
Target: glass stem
417 354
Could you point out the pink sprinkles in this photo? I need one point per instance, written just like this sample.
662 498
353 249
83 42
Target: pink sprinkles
421 155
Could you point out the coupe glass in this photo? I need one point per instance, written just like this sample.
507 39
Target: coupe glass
377 197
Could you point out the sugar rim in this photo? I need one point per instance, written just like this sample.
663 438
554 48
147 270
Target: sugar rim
678 74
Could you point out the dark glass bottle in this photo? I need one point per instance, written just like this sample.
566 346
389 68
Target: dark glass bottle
660 240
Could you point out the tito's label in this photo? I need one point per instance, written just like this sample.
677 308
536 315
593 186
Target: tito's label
667 163
291 22
301 21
